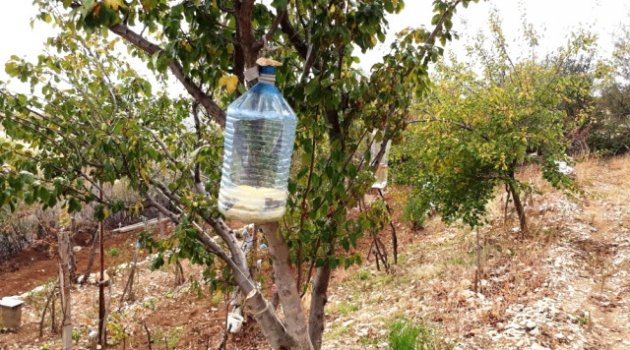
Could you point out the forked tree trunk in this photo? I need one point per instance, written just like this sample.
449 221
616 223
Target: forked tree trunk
128 291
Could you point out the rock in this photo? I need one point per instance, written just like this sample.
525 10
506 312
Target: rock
347 323
565 169
530 325
363 332
536 346
94 278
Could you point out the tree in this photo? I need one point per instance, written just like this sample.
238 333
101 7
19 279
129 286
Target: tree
110 125
610 130
474 130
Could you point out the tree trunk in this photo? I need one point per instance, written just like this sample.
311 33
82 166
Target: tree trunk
73 258
161 226
287 287
520 210
128 291
102 323
65 282
478 270
179 274
88 270
319 298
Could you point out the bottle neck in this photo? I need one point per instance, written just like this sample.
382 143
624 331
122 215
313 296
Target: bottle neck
267 79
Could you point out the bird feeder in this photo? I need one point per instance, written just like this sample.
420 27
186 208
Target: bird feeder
10 313
381 168
258 144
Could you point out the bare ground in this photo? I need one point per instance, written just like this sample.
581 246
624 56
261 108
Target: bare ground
564 285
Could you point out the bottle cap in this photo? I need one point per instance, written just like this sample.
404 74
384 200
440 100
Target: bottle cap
267 70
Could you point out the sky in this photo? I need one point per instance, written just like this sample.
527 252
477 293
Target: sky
553 19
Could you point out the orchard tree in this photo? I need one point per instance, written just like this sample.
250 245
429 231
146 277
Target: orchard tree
474 130
610 131
91 121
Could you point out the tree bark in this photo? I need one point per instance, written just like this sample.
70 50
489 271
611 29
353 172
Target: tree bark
102 331
88 270
287 287
520 210
319 298
65 282
128 291
274 331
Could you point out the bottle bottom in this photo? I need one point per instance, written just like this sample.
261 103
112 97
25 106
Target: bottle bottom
381 177
252 204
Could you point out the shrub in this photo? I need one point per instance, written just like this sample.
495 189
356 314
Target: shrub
610 130
416 210
113 252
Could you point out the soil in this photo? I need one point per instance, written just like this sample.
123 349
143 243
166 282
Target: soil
564 285
36 265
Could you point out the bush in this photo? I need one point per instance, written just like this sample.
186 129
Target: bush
16 230
610 131
113 252
416 210
406 335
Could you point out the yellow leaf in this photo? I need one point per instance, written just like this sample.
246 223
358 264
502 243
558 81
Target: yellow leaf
114 4
229 82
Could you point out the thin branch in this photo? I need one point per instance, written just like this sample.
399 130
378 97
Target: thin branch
456 123
260 43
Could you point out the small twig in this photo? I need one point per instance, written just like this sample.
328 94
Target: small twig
146 330
48 300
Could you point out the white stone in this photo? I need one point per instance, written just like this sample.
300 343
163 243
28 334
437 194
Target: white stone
530 325
536 346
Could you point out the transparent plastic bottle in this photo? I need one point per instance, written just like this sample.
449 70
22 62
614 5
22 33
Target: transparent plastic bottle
382 167
258 143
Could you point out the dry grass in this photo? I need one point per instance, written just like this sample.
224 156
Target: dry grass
437 272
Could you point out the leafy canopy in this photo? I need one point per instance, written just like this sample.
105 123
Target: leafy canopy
478 125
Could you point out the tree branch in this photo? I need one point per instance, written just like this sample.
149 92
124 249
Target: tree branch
459 124
260 43
295 39
176 68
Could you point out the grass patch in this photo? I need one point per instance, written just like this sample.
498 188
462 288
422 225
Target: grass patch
344 308
336 331
113 252
363 275
405 334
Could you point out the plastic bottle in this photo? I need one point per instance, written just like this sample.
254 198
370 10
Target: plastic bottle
382 167
258 143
